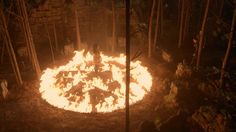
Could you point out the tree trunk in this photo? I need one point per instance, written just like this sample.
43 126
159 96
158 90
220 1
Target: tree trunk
2 53
201 34
50 43
221 7
55 36
157 24
10 50
127 82
228 51
181 24
29 37
77 29
113 26
150 30
187 20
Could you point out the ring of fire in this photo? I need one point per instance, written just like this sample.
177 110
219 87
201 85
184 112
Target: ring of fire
77 87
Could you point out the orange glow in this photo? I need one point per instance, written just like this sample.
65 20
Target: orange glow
76 87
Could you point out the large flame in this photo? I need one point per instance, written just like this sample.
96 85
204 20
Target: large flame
77 87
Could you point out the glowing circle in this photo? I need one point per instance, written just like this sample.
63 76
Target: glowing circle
77 87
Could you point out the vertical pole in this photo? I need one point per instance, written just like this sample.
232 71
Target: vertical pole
2 53
150 30
201 34
221 7
50 43
227 54
113 26
181 24
29 37
77 28
55 36
157 24
10 50
127 12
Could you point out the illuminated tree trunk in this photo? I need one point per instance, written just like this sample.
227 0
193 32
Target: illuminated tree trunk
28 36
201 34
55 36
150 30
227 54
157 23
10 49
50 43
113 26
77 28
221 7
127 82
181 24
2 53
187 20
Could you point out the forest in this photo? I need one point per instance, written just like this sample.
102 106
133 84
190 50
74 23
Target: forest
118 65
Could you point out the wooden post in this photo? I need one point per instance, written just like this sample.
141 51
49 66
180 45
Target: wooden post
10 50
2 53
228 51
201 34
29 37
186 20
181 24
55 36
221 7
127 12
113 26
150 30
77 28
157 24
50 43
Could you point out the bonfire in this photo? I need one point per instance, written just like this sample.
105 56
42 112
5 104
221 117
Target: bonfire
76 86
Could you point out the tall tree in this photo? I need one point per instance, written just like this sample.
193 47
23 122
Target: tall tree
201 33
157 23
181 23
10 49
113 26
77 27
150 29
227 54
28 36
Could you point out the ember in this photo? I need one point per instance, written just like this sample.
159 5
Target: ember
77 87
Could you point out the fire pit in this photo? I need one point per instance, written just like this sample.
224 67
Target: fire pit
77 87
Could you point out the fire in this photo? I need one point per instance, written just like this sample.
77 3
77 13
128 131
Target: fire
77 87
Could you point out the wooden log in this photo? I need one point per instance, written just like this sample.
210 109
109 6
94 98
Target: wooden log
228 51
10 50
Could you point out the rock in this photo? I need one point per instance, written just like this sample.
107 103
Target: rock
147 126
183 71
170 99
3 90
210 119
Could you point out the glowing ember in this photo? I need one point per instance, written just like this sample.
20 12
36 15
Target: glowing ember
77 87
